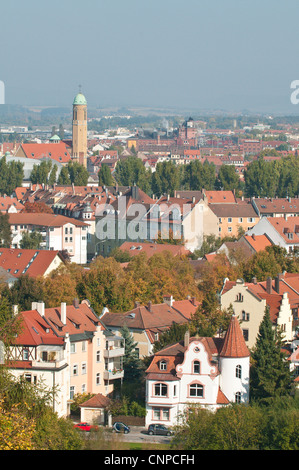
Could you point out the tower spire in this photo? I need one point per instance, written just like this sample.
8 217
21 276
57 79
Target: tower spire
234 343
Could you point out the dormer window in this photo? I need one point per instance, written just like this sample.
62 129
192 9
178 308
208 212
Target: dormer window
163 365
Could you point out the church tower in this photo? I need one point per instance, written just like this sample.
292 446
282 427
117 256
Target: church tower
79 141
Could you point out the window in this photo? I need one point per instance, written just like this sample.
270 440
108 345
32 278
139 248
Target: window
163 365
75 369
98 356
239 371
245 316
73 347
83 368
230 229
160 390
161 414
25 354
72 392
174 391
83 346
196 390
229 220
238 397
239 298
196 367
98 379
245 334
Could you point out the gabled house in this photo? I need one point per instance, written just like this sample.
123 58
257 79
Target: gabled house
34 263
250 300
147 322
282 231
210 372
69 347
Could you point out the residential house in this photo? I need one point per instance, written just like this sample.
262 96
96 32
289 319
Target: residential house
59 233
34 263
56 151
10 204
251 299
206 371
281 231
276 207
234 218
147 322
70 347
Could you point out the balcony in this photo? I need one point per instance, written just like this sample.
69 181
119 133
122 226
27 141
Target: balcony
112 351
113 374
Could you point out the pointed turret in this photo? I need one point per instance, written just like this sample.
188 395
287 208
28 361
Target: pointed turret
234 343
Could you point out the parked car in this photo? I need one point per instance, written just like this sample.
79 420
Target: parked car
86 427
159 429
120 427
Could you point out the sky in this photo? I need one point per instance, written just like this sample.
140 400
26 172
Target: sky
227 55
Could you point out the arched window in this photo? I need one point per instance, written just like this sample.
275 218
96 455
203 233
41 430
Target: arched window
163 365
196 390
239 371
160 390
238 397
196 367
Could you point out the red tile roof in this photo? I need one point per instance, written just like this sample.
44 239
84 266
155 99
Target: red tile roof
153 248
43 219
35 331
234 342
258 242
6 202
55 151
24 261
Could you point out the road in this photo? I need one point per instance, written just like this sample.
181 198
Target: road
139 435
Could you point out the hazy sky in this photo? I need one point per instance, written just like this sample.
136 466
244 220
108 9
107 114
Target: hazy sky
197 54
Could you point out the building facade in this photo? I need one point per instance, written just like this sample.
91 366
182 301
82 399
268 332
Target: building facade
79 130
210 372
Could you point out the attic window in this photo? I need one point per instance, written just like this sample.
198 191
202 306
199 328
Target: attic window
163 365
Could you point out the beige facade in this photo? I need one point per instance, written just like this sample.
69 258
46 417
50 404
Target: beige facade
250 308
79 127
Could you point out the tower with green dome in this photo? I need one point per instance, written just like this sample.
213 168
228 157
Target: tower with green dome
79 139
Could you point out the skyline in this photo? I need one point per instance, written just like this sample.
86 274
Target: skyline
204 55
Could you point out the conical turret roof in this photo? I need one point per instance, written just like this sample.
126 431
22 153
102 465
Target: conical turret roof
234 343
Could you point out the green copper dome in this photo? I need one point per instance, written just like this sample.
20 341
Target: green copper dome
80 99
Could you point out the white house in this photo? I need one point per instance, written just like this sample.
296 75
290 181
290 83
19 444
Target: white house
282 231
211 372
59 233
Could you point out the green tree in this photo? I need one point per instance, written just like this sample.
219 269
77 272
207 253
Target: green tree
166 178
24 291
5 232
228 178
131 171
132 363
270 376
78 174
172 335
64 177
11 175
105 177
31 240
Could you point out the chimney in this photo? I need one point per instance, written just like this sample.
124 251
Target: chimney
137 304
76 303
187 339
269 285
193 301
40 307
149 306
63 313
168 299
254 280
277 283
